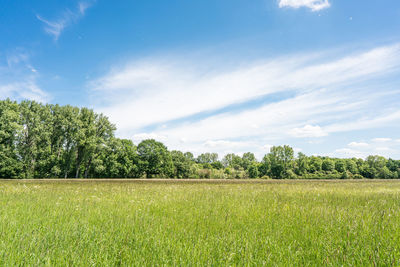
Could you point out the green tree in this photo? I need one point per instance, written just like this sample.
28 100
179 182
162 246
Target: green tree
217 165
372 166
233 161
207 158
281 160
301 164
340 165
182 164
315 164
248 159
328 165
351 165
154 159
33 140
253 171
118 159
189 156
93 132
10 128
264 167
68 119
385 173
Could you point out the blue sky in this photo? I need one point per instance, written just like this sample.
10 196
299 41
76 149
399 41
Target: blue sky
224 76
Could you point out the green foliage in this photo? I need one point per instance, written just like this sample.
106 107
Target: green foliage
217 165
119 159
232 161
315 164
340 166
264 166
328 165
154 159
207 158
46 141
52 141
281 160
10 128
182 164
302 164
290 174
357 176
248 159
253 171
351 165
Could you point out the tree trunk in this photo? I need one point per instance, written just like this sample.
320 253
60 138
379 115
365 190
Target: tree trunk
87 167
77 171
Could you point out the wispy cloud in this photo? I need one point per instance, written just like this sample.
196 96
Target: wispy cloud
332 94
67 18
23 90
308 131
381 139
358 144
142 136
314 5
54 28
18 78
378 146
83 6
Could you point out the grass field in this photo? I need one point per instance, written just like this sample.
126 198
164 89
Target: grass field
104 223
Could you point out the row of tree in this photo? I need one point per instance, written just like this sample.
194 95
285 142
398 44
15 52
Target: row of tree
52 141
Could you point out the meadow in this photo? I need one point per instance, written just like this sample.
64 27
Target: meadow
186 222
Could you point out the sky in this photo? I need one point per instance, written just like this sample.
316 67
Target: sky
224 76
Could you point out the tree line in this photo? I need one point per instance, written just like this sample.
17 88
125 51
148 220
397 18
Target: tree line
53 141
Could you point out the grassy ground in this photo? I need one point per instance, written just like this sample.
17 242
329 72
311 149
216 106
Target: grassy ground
138 223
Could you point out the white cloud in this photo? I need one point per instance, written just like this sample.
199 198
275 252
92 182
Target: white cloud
365 123
330 90
157 85
267 147
383 149
23 90
82 6
308 131
223 147
358 144
55 27
16 58
350 153
143 136
223 143
297 150
381 139
314 5
386 147
18 78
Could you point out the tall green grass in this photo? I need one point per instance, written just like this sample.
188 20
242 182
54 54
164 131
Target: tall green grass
103 223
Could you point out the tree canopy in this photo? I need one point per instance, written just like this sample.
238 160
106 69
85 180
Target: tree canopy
52 141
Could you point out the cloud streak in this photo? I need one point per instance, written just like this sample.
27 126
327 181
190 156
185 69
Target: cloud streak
68 17
332 93
314 5
377 146
18 78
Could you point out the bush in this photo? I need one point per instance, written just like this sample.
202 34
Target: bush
291 175
357 176
218 174
345 175
253 171
204 173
